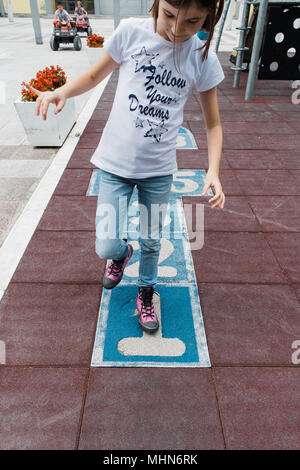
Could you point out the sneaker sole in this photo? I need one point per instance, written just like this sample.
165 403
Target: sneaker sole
117 282
149 330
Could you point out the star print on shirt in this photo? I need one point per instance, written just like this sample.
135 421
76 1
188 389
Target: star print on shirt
161 65
156 131
143 60
139 122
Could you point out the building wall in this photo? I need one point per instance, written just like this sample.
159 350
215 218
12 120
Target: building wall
23 6
128 7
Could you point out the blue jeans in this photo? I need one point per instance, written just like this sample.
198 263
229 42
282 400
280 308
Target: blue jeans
113 201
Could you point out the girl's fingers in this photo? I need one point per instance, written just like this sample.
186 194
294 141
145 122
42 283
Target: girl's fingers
34 90
204 191
219 200
45 105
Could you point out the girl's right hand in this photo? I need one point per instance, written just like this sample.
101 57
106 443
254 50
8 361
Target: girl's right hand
45 98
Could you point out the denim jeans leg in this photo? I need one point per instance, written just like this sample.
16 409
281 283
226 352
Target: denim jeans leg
153 195
112 205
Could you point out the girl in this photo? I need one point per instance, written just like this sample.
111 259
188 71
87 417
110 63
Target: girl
79 10
138 144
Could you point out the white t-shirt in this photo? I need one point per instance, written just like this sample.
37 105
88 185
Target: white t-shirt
139 139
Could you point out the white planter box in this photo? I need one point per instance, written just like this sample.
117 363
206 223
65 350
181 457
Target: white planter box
49 133
94 53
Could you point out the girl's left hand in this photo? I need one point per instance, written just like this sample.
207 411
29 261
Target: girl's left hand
212 180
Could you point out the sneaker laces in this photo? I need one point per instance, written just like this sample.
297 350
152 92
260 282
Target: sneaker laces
147 304
115 266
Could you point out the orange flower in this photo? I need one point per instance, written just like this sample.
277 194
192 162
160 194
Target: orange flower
46 80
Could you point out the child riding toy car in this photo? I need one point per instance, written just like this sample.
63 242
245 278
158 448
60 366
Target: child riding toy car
82 20
62 34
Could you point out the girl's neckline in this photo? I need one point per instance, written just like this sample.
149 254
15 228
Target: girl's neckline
165 41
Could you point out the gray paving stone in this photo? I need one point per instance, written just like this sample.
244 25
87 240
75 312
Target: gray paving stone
9 212
16 189
26 152
22 168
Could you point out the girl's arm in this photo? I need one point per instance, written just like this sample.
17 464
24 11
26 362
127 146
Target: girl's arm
80 84
214 133
91 77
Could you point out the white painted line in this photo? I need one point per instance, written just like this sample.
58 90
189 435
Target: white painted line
20 235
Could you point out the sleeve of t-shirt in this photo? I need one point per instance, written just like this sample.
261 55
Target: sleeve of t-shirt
116 44
209 72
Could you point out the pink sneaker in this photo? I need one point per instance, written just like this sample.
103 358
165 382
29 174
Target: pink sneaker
115 270
148 319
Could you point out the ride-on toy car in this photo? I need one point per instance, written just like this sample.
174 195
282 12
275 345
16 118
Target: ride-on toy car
83 24
63 35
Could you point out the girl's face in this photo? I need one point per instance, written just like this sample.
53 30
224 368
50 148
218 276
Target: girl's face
189 21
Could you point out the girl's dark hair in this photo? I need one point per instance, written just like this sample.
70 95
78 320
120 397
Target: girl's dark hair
214 7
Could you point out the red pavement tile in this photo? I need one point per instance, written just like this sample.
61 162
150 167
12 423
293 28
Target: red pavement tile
151 408
253 159
236 257
250 324
49 324
197 126
73 183
290 159
95 126
60 257
104 104
230 183
196 159
259 116
100 115
235 217
286 247
243 141
192 105
263 141
267 182
290 116
200 138
238 128
279 142
277 213
89 140
40 408
295 126
286 107
251 107
107 96
231 116
270 127
297 291
69 213
260 407
296 175
193 116
81 159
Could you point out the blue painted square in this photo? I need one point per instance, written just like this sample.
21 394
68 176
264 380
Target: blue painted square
172 263
180 318
185 183
189 183
185 139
